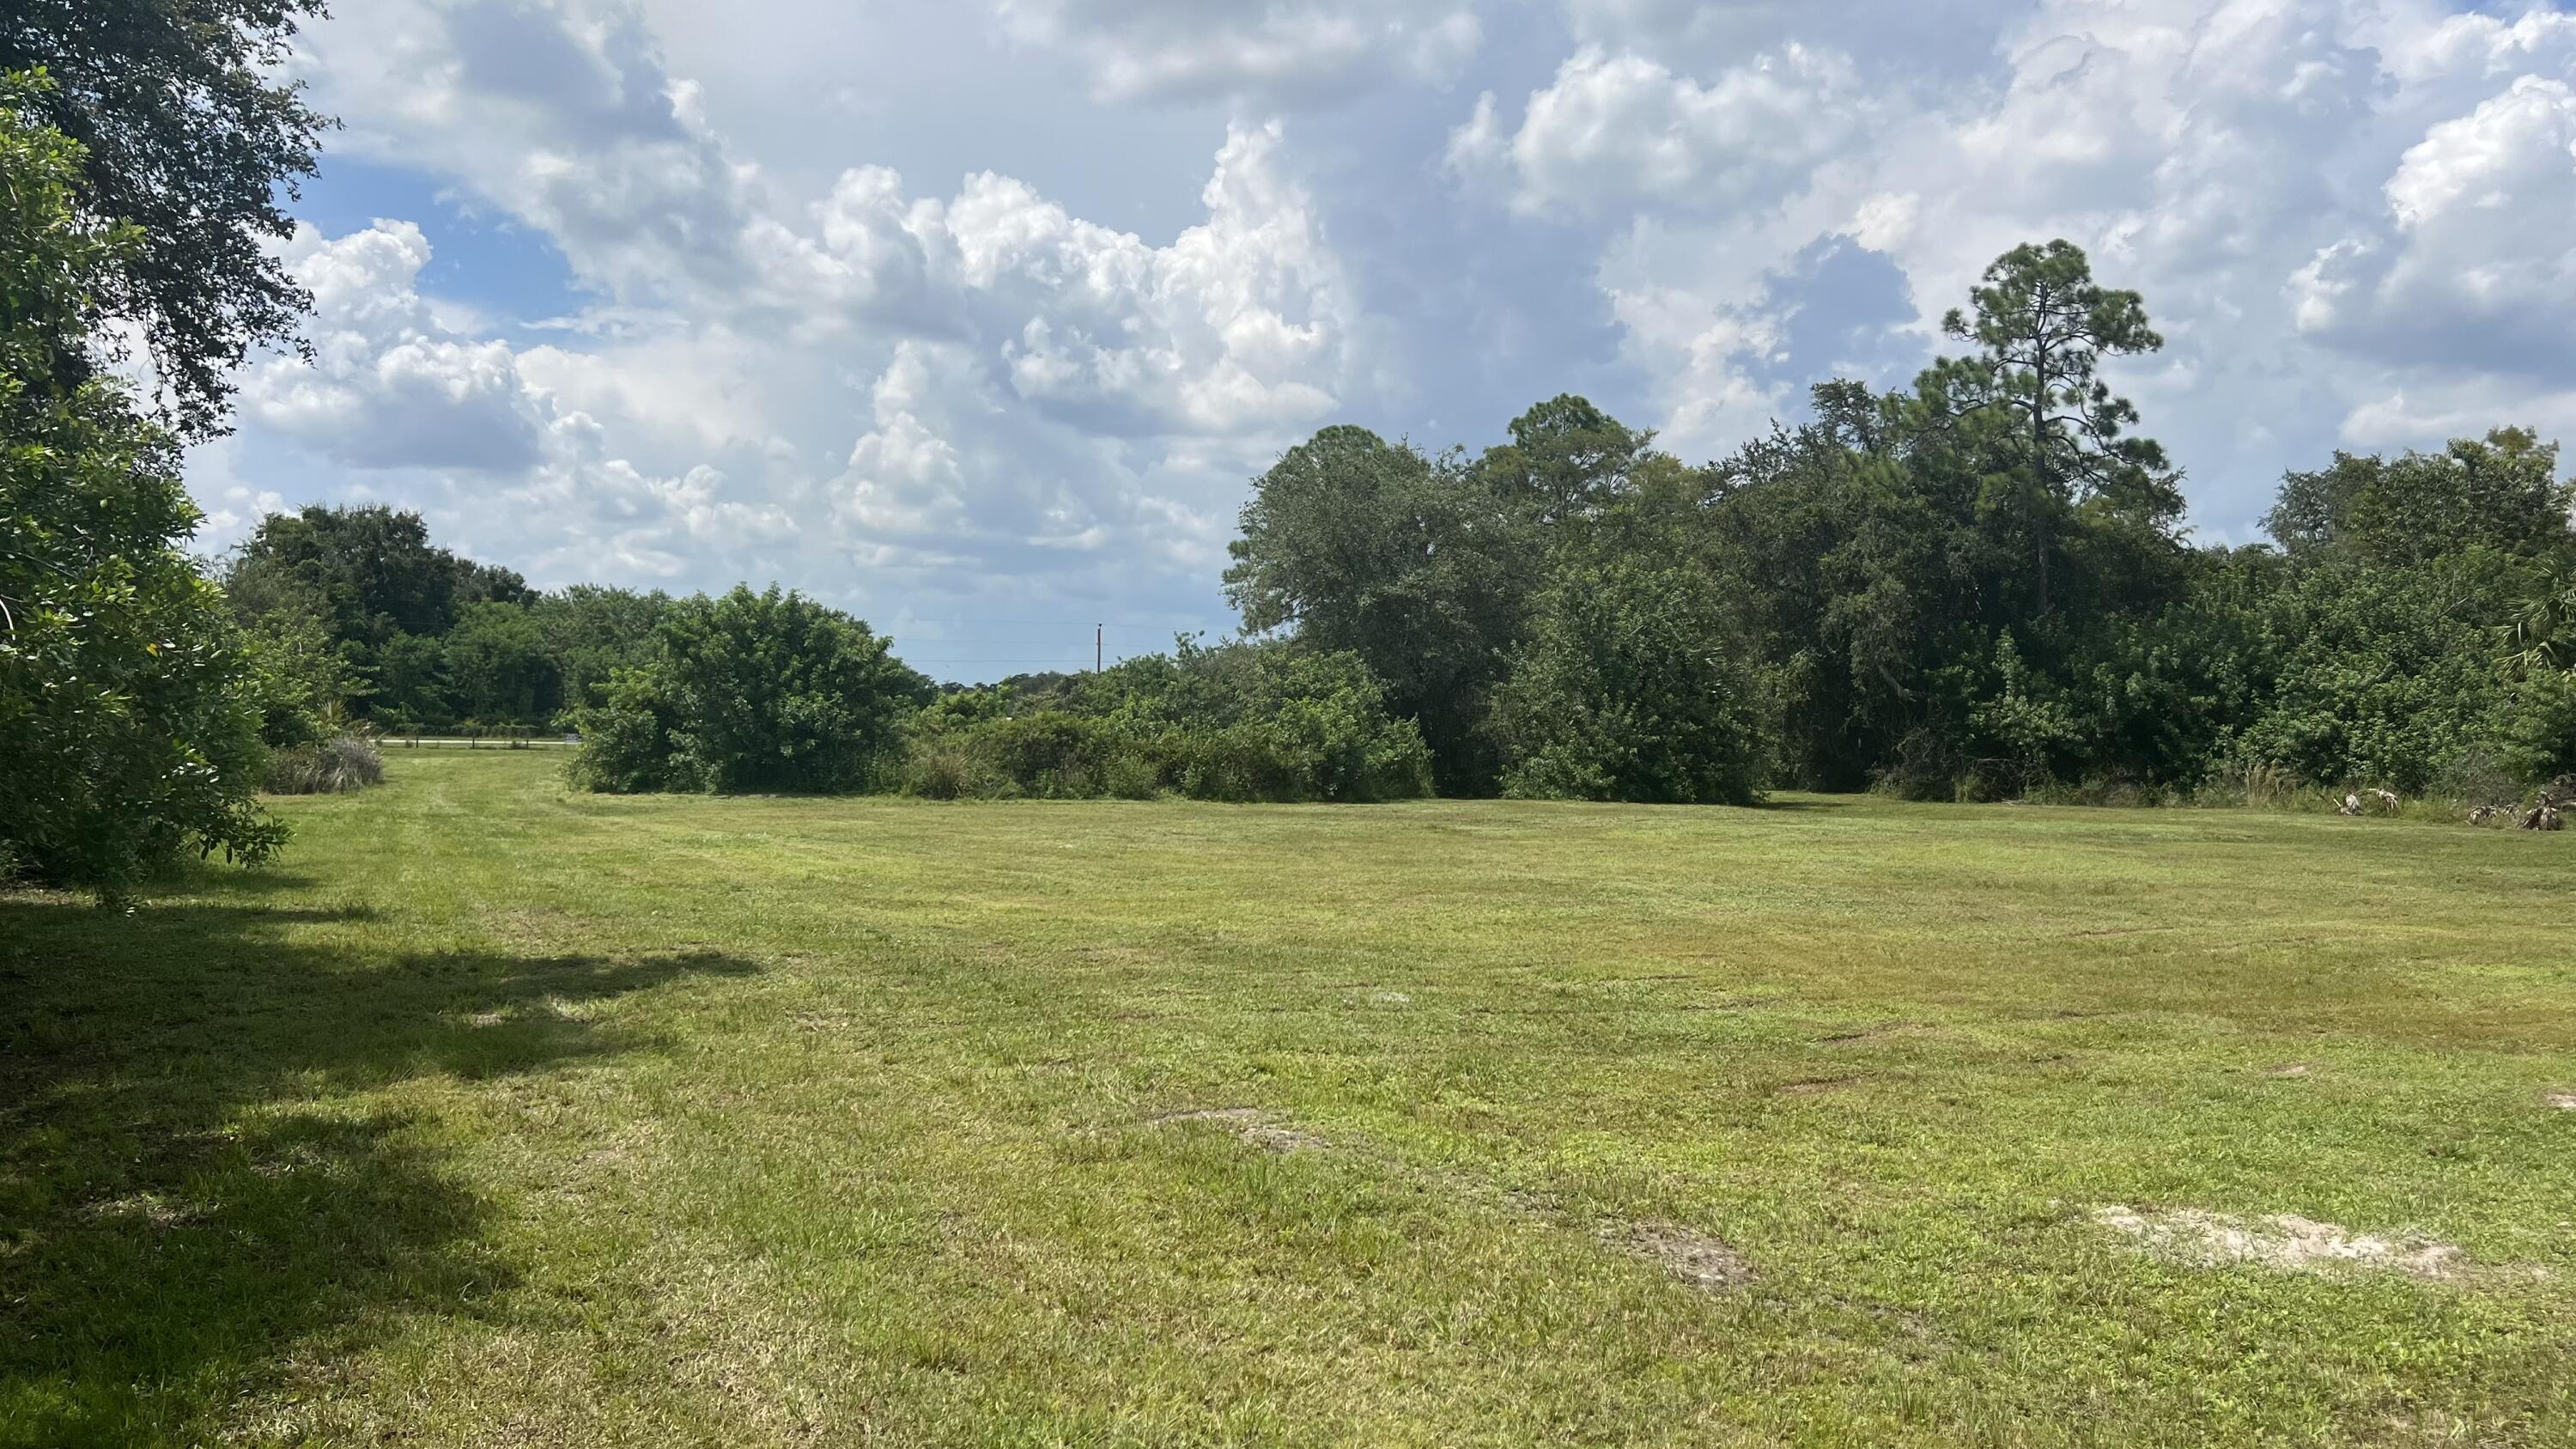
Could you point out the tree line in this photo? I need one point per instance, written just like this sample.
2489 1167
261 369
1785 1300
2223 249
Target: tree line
1977 587
388 628
355 618
1974 587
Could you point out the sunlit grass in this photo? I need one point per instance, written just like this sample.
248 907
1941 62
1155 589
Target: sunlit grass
500 1115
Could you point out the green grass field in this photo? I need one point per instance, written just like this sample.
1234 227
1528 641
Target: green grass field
498 1115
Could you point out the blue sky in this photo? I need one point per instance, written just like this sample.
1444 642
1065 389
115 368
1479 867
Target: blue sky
976 316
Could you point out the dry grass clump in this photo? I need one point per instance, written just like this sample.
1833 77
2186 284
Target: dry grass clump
329 767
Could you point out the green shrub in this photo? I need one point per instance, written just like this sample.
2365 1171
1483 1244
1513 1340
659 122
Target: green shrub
130 701
1052 754
2540 728
1630 688
945 768
1242 722
767 692
1130 776
626 743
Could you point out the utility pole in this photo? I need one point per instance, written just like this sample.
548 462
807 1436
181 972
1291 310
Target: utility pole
1096 631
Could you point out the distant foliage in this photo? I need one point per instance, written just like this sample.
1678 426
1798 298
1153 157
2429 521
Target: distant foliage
1975 588
377 624
496 665
423 636
589 633
2500 494
1633 686
368 573
1238 722
751 693
1414 564
302 681
2382 676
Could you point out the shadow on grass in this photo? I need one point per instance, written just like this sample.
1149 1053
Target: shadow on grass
187 1200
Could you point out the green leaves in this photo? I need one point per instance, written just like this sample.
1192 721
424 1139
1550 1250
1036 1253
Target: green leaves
191 147
751 693
1633 687
2501 494
130 712
1427 567
1271 720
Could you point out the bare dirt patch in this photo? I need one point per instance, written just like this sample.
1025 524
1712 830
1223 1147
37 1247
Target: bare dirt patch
1250 1124
2284 1241
1702 1260
2563 1101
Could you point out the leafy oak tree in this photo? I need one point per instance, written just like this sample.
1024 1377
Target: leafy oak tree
2501 493
1412 562
192 144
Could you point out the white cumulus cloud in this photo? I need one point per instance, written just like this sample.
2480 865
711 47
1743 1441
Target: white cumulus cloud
1284 51
1014 295
1622 129
867 390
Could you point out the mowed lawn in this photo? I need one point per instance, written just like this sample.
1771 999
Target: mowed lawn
500 1115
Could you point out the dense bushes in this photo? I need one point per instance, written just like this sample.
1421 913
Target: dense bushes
1632 687
129 715
765 692
1267 721
1048 754
2355 662
2538 735
2382 676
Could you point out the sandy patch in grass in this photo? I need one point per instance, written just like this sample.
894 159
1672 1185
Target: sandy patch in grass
1249 1123
2563 1101
2284 1240
1699 1259
2294 1069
